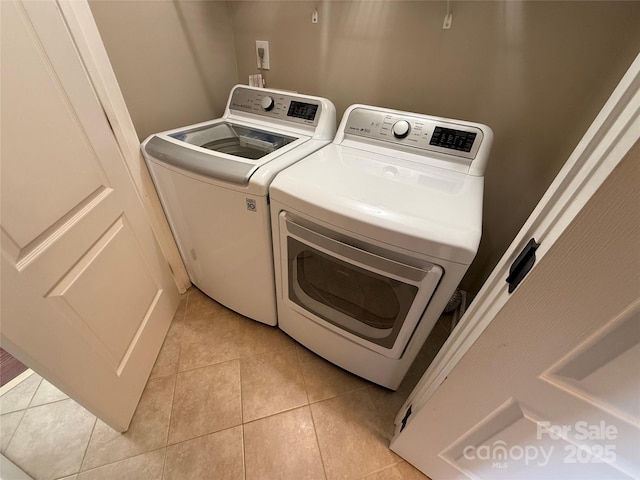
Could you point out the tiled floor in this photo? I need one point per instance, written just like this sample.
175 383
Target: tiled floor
228 398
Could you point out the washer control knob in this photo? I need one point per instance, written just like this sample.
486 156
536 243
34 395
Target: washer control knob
401 129
267 103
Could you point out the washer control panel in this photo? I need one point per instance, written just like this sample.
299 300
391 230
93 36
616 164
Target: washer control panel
418 131
287 107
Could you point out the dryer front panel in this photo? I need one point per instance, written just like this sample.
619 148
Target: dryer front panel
372 300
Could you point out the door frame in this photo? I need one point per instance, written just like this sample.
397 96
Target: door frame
91 49
611 135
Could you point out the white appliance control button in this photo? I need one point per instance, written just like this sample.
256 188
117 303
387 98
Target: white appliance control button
401 129
267 103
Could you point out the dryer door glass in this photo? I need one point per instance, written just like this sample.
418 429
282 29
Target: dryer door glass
361 301
237 140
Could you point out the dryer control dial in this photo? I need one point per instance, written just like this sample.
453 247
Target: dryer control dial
401 129
267 103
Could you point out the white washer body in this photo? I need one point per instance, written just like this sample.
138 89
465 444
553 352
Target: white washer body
215 195
373 233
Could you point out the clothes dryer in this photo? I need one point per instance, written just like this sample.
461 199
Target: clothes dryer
373 233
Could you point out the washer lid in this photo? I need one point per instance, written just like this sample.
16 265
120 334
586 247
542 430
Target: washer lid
239 140
224 150
395 200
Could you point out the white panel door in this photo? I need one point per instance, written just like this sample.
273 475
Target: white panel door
551 388
87 297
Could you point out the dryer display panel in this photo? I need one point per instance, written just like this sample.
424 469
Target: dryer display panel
420 133
453 139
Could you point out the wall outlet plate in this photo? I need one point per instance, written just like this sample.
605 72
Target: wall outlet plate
265 61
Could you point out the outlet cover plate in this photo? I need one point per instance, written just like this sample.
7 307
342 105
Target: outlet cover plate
265 62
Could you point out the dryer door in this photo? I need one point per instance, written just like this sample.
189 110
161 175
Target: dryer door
370 299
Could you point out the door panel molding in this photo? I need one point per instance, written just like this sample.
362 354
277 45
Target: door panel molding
87 296
594 361
32 250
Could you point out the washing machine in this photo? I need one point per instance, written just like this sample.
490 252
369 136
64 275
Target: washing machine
373 233
213 178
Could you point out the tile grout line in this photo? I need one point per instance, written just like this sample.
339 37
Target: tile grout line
313 422
382 469
244 459
34 393
341 394
315 431
118 461
304 381
286 410
86 449
31 407
175 382
24 411
11 384
244 456
15 430
166 446
197 437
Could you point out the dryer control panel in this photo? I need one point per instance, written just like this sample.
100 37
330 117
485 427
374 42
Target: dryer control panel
416 131
272 104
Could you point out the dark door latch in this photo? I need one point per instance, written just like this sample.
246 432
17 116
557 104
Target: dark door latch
522 265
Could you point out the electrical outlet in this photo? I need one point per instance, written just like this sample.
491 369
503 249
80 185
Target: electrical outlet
265 61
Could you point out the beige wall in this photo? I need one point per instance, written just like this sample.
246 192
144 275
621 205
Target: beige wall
174 60
536 72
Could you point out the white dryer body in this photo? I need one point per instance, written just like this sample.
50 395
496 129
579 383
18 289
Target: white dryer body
373 233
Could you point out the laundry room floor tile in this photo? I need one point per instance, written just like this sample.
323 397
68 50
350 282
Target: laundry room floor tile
147 432
46 393
218 455
256 338
8 424
199 305
271 383
167 361
19 397
399 471
147 466
283 447
275 410
51 439
206 400
208 340
350 438
325 380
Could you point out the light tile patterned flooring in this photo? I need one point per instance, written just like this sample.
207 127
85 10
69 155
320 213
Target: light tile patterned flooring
228 398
